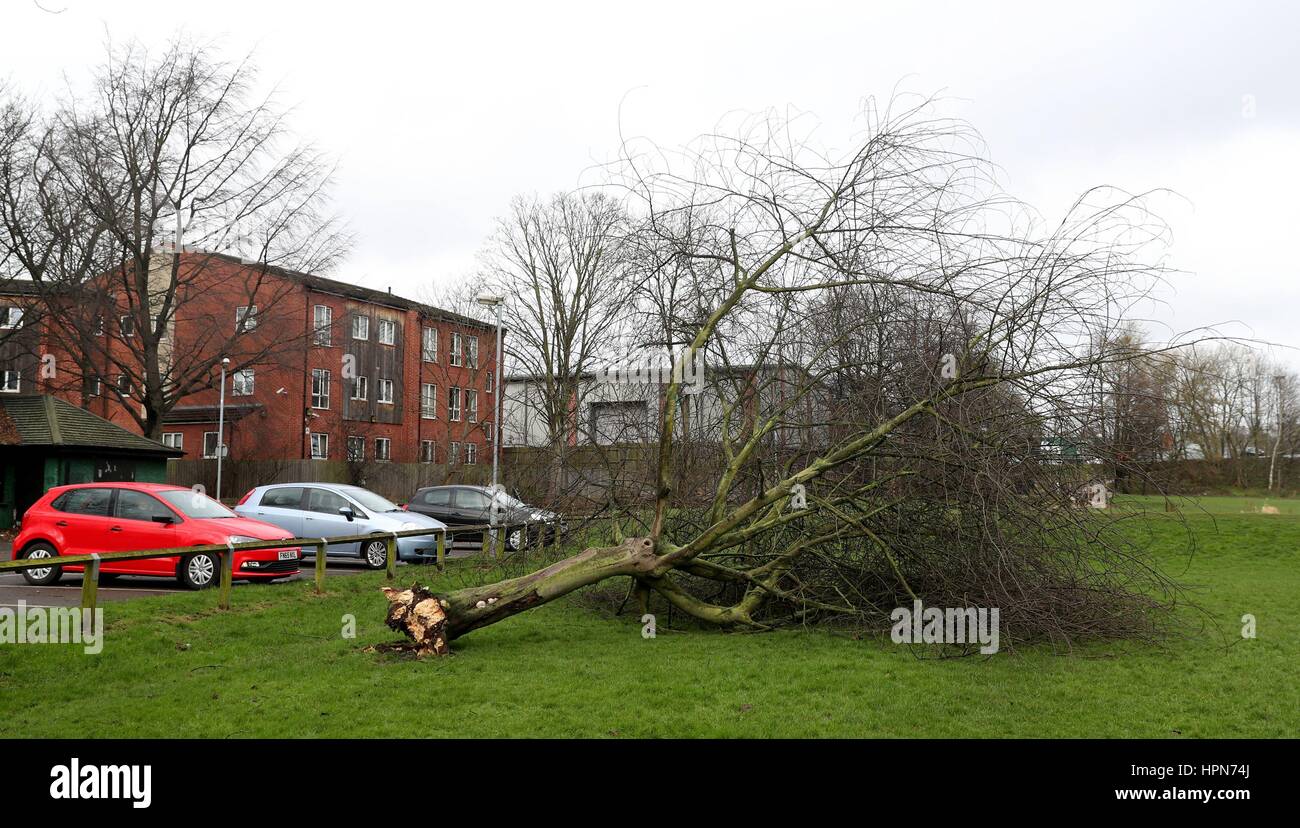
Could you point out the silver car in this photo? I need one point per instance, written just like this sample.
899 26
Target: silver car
333 510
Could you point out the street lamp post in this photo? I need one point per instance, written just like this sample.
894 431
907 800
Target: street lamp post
221 422
495 302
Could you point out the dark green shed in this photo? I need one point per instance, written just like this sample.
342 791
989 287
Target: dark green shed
46 442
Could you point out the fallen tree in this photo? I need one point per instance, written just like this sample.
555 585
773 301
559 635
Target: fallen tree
888 343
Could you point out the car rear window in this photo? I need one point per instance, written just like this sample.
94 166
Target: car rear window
285 497
84 502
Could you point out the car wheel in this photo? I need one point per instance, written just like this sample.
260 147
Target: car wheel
198 571
515 540
374 554
45 575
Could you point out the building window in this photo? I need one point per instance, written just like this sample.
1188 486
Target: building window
11 317
174 439
322 324
242 383
488 389
127 326
123 385
245 318
360 388
90 386
320 388
489 433
383 448
99 325
356 449
471 454
361 327
455 349
386 391
453 404
209 445
429 345
471 405
320 446
387 332
453 457
471 351
10 381
426 451
429 401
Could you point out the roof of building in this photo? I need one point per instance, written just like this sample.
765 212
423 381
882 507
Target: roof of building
360 293
44 420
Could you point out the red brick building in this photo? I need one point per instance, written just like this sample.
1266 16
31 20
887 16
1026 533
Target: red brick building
342 372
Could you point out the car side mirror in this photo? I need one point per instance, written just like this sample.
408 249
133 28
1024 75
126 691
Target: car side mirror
347 512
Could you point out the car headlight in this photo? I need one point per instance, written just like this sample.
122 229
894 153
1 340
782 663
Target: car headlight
242 539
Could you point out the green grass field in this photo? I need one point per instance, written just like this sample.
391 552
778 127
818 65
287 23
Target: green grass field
277 665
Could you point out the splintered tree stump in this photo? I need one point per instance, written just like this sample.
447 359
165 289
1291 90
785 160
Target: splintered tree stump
419 614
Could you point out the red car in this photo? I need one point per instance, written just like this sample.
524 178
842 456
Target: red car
121 517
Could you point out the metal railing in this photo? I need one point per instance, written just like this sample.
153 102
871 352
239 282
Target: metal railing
226 554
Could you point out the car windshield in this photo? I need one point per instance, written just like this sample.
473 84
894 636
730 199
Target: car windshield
195 504
368 499
508 501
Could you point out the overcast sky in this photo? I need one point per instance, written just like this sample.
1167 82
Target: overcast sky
439 113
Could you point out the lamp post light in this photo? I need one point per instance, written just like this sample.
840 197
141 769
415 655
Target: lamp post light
221 422
497 303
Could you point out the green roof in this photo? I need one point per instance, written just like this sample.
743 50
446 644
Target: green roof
32 420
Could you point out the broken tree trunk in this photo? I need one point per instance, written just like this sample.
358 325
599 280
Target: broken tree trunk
431 620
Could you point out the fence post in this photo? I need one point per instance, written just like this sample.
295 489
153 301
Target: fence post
501 541
227 575
391 563
442 549
487 541
89 592
320 566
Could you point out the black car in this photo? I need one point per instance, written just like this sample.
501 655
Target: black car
469 505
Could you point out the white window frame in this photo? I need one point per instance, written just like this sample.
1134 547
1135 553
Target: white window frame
249 383
471 405
361 325
360 389
322 333
429 401
92 390
216 447
358 443
126 326
124 380
453 456
11 316
324 454
429 344
385 398
245 318
453 404
324 395
427 451
456 358
471 454
391 327
384 449
174 439
8 375
471 348
487 389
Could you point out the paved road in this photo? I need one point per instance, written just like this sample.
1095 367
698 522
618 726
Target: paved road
67 592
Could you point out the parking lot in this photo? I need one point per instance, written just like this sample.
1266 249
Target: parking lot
67 592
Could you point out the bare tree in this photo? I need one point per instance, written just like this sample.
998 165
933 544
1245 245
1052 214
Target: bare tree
923 478
123 204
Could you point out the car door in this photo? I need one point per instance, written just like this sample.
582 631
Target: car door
282 506
133 528
84 520
322 519
468 507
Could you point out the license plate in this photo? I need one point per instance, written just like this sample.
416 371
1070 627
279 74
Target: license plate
288 555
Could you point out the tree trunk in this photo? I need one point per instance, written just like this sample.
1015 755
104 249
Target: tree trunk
432 620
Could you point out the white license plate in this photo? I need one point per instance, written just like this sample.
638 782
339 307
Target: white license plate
288 555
